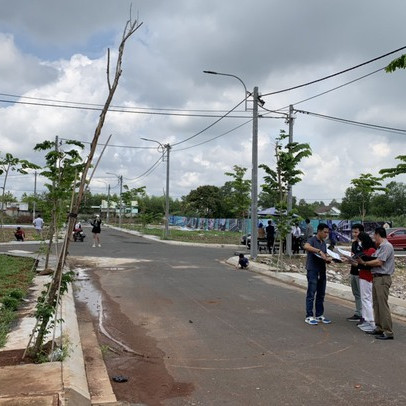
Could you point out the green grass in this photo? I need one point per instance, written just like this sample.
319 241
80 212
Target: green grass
198 236
15 279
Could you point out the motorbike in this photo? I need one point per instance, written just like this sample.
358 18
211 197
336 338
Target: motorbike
78 235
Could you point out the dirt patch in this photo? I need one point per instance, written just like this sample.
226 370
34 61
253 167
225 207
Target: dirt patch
340 272
14 357
149 381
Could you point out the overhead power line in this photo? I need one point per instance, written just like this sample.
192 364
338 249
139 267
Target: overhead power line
209 126
334 74
356 123
121 110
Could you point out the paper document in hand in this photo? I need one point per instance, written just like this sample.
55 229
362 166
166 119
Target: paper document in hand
334 255
344 253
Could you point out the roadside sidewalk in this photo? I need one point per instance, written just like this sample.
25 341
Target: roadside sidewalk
398 306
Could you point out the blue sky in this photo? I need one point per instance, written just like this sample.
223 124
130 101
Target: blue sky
56 50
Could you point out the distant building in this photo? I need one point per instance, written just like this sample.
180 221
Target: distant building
15 209
327 211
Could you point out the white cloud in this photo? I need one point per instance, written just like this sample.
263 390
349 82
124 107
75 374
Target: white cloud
162 69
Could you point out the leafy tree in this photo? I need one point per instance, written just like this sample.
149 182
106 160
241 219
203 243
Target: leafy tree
398 63
286 174
239 195
398 170
305 210
351 203
205 201
366 185
10 163
8 197
391 203
267 199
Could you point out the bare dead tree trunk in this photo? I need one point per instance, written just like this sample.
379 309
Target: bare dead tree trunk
129 29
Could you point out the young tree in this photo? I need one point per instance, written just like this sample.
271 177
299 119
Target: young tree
205 201
131 195
286 174
366 185
53 292
239 198
62 169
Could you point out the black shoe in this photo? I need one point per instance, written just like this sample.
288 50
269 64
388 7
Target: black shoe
361 321
354 318
374 332
383 336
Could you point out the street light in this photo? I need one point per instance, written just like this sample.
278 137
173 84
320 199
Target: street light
254 176
162 148
210 72
120 180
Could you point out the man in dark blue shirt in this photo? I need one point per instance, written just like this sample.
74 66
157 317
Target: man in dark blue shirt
316 275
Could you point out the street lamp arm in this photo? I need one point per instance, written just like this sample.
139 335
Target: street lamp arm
210 72
161 147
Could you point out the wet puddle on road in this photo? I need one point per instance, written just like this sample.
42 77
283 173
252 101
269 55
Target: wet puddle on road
86 292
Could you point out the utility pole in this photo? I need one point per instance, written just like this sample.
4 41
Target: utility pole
166 234
35 195
162 148
120 178
108 204
254 179
290 197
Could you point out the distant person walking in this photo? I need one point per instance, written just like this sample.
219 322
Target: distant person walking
96 230
38 225
316 275
308 231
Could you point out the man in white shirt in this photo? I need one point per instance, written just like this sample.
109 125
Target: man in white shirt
38 224
296 233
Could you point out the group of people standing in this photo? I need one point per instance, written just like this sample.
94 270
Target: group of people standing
372 264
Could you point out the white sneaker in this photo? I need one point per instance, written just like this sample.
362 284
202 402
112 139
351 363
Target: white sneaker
94 245
311 320
363 325
368 327
99 245
323 320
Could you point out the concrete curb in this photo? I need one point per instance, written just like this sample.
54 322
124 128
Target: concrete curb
70 384
397 306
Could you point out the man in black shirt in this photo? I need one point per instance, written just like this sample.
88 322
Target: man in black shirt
270 236
354 274
316 275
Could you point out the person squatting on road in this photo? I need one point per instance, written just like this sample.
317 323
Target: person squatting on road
356 250
383 266
242 262
96 230
19 234
365 284
316 275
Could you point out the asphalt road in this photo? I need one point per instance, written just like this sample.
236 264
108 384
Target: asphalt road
240 338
